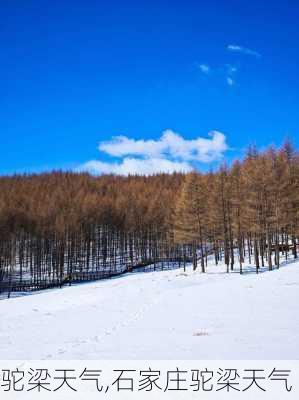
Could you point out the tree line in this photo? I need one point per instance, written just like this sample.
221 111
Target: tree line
62 227
248 210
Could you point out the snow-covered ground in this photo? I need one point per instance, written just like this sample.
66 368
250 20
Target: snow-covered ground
159 315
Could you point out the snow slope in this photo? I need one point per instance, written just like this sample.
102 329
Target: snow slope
159 315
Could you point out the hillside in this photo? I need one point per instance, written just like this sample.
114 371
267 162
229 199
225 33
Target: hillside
159 315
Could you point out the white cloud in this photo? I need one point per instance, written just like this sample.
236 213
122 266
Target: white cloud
228 71
231 69
170 153
170 144
136 166
244 50
204 68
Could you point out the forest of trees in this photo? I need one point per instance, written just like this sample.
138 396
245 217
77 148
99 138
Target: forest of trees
58 227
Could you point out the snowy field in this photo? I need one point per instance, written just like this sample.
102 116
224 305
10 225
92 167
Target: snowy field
159 315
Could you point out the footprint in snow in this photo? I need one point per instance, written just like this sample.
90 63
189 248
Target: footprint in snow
201 333
182 274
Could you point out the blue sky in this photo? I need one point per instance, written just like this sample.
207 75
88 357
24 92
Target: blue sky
76 74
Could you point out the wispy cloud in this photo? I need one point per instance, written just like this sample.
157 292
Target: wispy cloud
244 50
231 71
205 69
170 153
230 81
228 72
